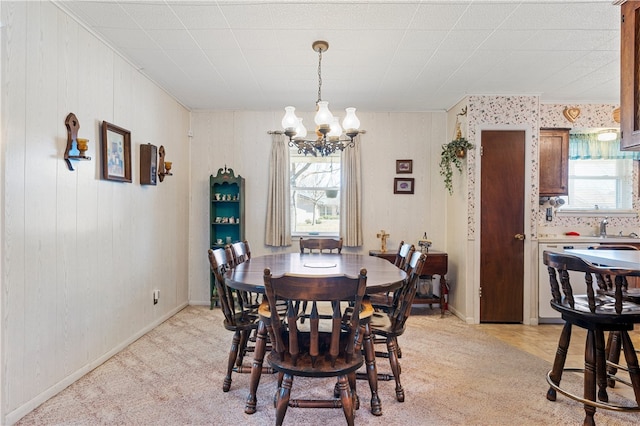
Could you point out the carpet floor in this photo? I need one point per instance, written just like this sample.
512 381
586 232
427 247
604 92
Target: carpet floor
452 372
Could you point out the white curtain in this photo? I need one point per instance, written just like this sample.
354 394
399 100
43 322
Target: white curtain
278 228
351 198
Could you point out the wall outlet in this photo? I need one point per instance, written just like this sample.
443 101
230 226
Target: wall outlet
549 215
156 296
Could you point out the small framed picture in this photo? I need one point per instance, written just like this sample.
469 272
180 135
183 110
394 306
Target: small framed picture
403 185
116 153
404 166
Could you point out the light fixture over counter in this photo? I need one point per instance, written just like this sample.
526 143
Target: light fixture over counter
328 129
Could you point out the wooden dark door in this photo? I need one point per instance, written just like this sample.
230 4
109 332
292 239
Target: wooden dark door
502 226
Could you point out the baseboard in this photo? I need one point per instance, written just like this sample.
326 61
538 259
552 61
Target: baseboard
15 415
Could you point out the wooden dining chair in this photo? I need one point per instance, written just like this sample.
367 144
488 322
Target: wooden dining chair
401 255
239 317
327 349
390 323
320 245
383 301
597 313
240 251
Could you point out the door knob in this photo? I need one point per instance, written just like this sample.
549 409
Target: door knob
519 237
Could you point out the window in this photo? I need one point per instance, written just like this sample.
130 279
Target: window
315 194
600 184
600 175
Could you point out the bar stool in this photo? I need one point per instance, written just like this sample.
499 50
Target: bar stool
596 313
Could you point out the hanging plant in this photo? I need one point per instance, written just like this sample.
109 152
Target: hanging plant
453 153
331 193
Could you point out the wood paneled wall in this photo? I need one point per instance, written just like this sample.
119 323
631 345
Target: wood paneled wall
80 255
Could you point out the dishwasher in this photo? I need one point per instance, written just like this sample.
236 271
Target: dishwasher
546 314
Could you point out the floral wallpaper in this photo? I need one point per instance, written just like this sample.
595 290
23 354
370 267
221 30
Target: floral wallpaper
591 115
508 111
528 111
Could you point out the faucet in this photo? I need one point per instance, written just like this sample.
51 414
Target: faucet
603 227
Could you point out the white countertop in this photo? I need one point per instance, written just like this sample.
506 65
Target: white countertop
587 239
613 258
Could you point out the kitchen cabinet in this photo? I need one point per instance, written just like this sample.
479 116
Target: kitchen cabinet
554 162
629 76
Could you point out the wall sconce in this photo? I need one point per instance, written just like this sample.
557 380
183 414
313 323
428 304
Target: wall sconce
164 167
81 145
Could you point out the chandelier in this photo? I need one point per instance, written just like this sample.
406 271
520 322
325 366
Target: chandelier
328 129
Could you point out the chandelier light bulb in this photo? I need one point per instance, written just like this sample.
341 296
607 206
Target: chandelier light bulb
351 123
289 121
301 131
323 117
336 130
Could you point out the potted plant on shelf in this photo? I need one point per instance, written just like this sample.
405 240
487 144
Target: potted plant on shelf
453 153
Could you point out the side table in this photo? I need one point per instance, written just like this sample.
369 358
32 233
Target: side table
436 264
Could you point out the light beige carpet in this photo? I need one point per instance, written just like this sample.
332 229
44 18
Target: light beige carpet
453 374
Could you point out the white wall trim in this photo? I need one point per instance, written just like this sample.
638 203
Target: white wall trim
33 403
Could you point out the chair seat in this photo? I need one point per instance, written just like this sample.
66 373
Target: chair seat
242 321
381 324
605 313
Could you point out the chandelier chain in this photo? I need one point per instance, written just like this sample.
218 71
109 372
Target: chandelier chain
319 75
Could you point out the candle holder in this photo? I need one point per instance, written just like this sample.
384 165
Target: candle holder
79 152
164 167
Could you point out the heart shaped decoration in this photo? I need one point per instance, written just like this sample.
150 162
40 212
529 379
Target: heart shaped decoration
616 115
571 114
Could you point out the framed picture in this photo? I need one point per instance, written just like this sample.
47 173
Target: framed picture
403 185
116 153
404 166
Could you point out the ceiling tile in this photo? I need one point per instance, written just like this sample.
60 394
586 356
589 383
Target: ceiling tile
388 55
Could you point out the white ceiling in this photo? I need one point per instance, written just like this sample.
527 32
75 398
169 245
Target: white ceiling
406 55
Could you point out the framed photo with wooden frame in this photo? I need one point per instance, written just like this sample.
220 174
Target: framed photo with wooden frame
403 185
404 166
116 153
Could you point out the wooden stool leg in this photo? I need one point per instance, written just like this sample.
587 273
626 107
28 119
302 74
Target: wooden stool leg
282 402
256 368
632 363
613 355
395 367
372 372
560 359
590 377
354 393
346 399
233 355
242 347
601 366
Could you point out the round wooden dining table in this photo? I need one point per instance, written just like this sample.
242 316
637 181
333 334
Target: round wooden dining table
382 276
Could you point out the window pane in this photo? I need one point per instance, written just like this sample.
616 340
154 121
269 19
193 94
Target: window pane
606 184
315 194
